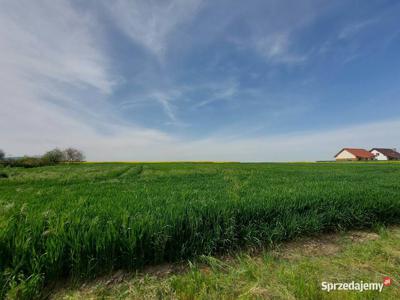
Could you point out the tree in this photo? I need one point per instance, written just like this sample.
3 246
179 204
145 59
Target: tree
2 155
73 155
54 156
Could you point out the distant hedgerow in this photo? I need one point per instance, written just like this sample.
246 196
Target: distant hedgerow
51 157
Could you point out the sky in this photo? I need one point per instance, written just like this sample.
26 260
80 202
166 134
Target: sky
179 80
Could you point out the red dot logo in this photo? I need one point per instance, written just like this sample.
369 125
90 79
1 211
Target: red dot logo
387 281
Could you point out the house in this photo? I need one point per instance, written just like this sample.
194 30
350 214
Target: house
354 154
385 154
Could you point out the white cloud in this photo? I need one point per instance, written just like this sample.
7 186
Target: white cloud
348 42
149 23
354 28
49 40
55 78
221 91
127 143
50 59
164 100
309 146
276 48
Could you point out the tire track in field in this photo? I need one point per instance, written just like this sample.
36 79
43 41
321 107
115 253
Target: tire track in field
135 171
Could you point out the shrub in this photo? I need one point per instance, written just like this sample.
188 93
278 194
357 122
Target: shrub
54 156
73 155
25 162
3 175
30 162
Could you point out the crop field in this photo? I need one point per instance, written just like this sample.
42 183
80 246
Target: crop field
82 220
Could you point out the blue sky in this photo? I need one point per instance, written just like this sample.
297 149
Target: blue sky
199 80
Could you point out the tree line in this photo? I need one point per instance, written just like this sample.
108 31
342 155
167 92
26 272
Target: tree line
51 157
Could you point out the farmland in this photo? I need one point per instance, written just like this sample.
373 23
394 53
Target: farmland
83 220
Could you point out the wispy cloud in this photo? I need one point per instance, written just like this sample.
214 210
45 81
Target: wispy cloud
54 72
354 28
51 40
348 42
69 77
149 23
276 48
53 68
223 91
168 99
165 102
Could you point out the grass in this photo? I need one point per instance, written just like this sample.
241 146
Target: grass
289 271
83 220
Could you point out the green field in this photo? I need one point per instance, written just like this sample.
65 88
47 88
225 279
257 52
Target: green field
82 220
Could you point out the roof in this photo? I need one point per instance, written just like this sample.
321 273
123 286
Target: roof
391 153
360 153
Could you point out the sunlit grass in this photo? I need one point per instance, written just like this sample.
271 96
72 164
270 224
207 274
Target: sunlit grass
292 271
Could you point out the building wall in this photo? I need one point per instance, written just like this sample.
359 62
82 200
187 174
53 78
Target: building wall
378 155
345 155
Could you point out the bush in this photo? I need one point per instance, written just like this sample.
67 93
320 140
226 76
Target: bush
52 157
73 155
3 175
25 162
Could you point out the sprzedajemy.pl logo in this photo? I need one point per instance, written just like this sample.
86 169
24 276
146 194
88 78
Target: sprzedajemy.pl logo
360 286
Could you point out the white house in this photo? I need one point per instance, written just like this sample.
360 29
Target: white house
385 154
354 154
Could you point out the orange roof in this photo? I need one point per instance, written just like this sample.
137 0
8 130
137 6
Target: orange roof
361 153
